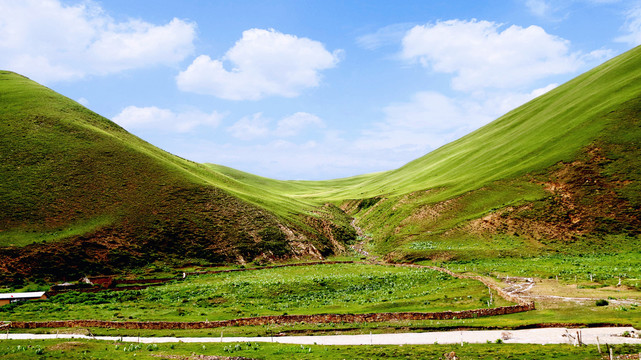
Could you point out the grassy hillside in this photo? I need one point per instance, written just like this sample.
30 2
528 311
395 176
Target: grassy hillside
538 174
554 127
83 195
559 173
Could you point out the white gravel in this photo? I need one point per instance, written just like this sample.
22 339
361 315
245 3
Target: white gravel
605 335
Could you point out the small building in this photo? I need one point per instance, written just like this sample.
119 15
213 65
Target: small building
104 281
8 298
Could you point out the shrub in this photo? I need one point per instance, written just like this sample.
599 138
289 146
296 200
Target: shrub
602 302
274 241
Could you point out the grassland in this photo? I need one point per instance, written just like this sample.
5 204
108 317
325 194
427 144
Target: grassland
83 349
340 288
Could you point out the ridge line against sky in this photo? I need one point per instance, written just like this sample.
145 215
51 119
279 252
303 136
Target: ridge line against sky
309 89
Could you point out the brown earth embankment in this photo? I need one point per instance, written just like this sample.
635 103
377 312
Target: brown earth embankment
276 319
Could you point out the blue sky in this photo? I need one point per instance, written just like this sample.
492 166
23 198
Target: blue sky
309 89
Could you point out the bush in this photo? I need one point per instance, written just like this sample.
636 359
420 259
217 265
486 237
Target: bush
602 302
274 241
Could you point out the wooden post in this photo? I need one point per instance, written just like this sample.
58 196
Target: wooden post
611 354
598 346
490 291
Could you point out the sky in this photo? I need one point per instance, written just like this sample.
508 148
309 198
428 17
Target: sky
303 89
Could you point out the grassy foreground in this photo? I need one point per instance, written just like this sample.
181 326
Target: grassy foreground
84 349
339 288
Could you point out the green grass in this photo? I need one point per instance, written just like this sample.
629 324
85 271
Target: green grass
604 267
21 238
88 349
341 288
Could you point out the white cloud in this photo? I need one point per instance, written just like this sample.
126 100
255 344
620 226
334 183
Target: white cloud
500 103
430 120
82 101
388 35
632 28
50 41
133 118
426 122
250 127
482 56
538 7
257 126
263 63
292 125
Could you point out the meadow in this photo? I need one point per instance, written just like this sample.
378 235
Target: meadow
84 349
337 288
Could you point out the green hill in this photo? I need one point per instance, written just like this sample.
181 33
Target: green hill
558 174
82 195
562 168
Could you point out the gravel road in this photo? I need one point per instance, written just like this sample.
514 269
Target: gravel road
609 335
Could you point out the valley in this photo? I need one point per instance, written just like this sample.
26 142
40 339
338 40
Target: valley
542 205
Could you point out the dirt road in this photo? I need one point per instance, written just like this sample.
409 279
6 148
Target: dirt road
606 335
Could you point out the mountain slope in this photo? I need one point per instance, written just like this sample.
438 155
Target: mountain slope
542 172
81 194
561 168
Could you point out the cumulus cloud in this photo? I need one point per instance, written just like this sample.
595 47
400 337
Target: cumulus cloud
427 121
632 28
257 126
50 41
250 127
431 119
262 63
538 7
135 118
482 55
293 125
388 35
83 101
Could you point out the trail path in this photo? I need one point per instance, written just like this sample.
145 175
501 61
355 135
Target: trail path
526 288
359 247
607 335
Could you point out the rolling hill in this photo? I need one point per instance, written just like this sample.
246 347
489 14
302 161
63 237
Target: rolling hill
558 174
82 195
